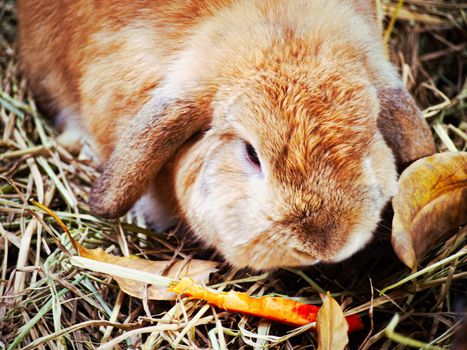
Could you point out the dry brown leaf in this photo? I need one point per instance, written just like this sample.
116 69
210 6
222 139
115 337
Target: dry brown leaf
431 203
331 325
198 270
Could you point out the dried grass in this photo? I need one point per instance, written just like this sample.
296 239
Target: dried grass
46 303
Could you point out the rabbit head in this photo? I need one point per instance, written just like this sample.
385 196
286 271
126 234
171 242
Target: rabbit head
291 165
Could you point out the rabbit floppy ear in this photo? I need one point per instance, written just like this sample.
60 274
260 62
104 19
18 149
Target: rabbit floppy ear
403 126
150 140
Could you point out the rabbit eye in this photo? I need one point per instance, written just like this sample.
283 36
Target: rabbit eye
251 154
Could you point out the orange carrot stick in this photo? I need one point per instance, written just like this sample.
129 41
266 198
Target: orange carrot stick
273 308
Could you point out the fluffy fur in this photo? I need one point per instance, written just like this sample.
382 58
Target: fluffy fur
171 91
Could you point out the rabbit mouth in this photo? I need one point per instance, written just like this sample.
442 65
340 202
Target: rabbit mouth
304 257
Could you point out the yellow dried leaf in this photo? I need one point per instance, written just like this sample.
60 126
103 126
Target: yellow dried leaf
431 203
198 270
331 325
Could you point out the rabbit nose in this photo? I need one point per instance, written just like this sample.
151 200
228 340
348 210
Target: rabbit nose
321 233
317 231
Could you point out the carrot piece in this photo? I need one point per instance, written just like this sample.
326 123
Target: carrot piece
273 308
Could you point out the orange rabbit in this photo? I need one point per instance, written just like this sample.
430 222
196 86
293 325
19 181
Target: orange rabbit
272 127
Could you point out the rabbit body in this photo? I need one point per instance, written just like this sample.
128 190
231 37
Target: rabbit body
272 127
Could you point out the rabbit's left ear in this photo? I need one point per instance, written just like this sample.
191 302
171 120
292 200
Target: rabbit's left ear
403 126
400 120
153 136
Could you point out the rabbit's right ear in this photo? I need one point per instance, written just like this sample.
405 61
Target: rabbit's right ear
403 126
161 127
